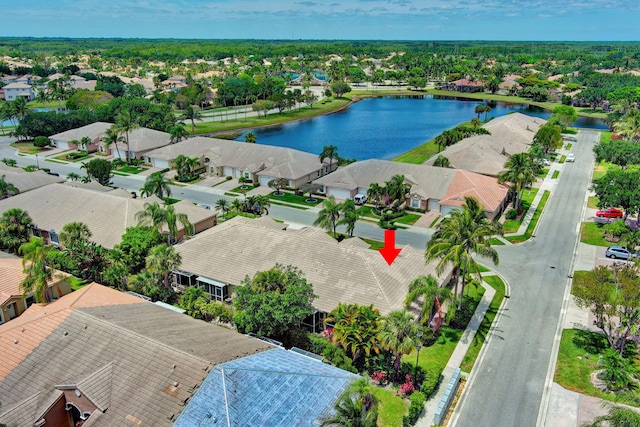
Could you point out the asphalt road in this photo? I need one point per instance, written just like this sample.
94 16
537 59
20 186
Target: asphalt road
507 386
416 237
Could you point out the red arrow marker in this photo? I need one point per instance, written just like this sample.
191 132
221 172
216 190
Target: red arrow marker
389 252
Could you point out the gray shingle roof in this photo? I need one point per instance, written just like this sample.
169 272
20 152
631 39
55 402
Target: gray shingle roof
338 272
272 161
94 131
26 181
106 214
273 388
134 367
142 139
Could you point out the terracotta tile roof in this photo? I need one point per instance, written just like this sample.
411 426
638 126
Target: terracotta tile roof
11 276
136 361
338 272
480 187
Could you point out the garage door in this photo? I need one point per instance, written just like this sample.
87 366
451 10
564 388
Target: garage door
434 205
160 163
62 144
446 210
340 193
264 180
228 171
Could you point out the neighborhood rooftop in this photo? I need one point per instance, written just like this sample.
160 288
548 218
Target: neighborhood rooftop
339 272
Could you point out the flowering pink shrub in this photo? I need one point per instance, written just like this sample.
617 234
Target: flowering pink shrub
328 333
380 377
407 388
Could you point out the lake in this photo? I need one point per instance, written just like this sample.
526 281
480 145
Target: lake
385 127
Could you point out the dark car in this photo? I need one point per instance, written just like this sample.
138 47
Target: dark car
619 252
610 213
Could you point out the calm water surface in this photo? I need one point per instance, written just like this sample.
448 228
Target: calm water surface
386 127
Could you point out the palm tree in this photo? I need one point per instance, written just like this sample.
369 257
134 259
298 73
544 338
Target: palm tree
156 184
374 194
350 216
397 190
192 113
161 260
331 152
19 108
250 137
157 217
356 407
84 142
74 232
520 172
355 329
399 334
487 110
177 133
464 233
617 417
479 109
73 176
112 137
15 229
223 205
441 162
7 189
629 125
36 267
328 215
426 288
125 123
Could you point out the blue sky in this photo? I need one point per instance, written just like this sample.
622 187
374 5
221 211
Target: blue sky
332 19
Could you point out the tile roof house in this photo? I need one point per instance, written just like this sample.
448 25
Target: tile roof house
271 388
107 214
464 85
487 154
69 140
17 89
104 358
141 141
339 272
432 188
260 163
13 302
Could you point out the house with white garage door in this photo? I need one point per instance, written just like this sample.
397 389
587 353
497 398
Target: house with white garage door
70 140
432 188
259 163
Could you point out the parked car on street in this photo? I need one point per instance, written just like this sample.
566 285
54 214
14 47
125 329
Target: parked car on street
569 138
570 158
619 252
610 213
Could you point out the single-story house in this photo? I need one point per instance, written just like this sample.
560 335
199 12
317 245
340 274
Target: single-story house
141 141
100 357
432 188
70 139
276 388
487 154
464 85
257 162
26 181
340 272
13 302
107 214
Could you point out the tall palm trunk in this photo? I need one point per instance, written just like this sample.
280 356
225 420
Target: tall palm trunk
464 277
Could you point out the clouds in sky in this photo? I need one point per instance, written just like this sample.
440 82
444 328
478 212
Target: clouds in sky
342 19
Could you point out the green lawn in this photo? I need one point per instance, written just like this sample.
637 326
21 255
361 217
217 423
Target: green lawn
28 148
292 198
391 408
374 244
419 154
593 202
512 225
436 356
578 274
409 219
495 242
76 283
534 220
555 175
240 189
132 169
240 122
481 335
592 233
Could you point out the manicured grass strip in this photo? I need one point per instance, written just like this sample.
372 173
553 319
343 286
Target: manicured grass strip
534 220
496 242
593 202
302 208
408 219
374 244
27 147
231 122
474 349
555 175
391 407
76 283
292 198
512 225
419 154
592 233
132 169
578 358
119 173
578 274
435 357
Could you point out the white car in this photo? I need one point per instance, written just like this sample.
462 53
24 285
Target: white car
570 158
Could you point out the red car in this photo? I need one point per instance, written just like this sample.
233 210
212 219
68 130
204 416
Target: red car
610 213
